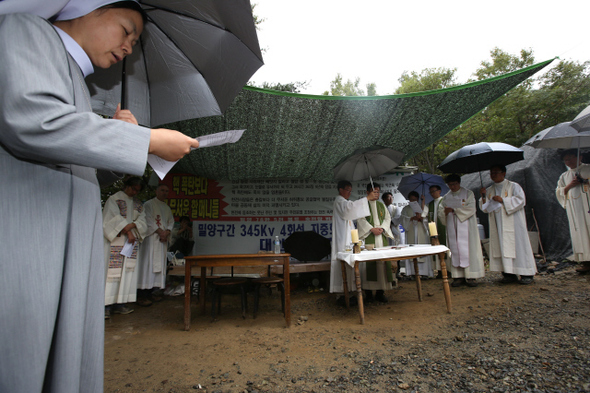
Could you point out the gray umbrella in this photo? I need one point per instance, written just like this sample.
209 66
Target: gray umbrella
560 136
582 121
367 163
192 59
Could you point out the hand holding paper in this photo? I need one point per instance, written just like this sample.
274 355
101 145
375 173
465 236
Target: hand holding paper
162 166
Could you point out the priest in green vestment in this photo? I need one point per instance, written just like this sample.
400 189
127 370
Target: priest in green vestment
375 229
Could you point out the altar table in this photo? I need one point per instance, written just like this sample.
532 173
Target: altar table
390 253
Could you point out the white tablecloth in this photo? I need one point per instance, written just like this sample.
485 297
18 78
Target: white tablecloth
402 253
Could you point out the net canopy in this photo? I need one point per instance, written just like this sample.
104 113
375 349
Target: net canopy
304 136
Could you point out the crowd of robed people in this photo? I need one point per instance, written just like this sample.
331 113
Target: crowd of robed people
454 215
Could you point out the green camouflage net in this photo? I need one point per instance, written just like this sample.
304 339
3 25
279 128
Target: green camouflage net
304 136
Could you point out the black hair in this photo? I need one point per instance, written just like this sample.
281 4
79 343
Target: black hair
414 193
502 168
133 181
130 5
453 177
343 184
371 187
569 152
385 195
436 186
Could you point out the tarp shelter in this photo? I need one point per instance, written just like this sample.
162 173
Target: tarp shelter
294 136
537 174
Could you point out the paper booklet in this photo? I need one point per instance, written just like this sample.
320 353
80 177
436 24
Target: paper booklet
162 166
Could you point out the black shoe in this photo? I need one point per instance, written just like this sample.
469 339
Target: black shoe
508 278
457 282
368 297
380 297
526 280
471 282
341 301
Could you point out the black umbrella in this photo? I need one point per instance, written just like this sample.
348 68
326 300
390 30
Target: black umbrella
191 61
307 246
480 157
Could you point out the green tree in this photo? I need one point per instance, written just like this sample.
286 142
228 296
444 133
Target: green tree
371 89
348 88
537 103
427 79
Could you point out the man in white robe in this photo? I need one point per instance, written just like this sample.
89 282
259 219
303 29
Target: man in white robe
123 225
344 211
394 213
510 248
458 214
416 233
152 253
375 229
572 193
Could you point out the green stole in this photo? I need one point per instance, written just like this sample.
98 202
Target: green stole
372 266
440 227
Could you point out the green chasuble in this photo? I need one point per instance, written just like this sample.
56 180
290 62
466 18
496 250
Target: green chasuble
372 266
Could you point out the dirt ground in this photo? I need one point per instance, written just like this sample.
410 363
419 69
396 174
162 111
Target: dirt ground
148 350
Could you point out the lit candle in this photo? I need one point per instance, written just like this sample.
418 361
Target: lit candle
432 229
354 235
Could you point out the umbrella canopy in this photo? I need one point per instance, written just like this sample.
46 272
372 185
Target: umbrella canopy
480 157
560 136
367 163
421 183
582 121
191 61
307 246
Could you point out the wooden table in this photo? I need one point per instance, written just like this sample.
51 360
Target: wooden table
205 261
411 252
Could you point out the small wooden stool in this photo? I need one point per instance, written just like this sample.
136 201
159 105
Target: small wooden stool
258 282
226 282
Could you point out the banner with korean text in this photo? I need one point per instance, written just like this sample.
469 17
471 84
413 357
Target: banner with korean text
244 216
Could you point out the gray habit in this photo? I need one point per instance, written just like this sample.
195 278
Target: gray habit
52 282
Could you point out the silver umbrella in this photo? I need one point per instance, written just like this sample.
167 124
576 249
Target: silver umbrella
192 59
582 121
367 163
560 136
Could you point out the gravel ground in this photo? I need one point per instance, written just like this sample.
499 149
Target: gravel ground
499 338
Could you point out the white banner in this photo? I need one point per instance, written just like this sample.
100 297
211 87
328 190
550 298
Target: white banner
244 216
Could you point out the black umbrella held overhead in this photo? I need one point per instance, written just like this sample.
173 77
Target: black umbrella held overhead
480 157
307 246
191 61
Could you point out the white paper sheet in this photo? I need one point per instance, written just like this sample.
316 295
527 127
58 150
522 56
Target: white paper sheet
454 203
416 207
162 166
127 249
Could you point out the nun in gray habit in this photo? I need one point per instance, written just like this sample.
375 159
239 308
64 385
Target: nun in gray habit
51 238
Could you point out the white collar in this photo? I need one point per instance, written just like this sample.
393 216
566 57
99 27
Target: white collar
76 51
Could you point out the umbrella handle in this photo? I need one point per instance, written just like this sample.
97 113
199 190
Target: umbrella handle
123 85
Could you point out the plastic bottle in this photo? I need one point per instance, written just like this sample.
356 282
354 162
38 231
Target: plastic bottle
277 245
